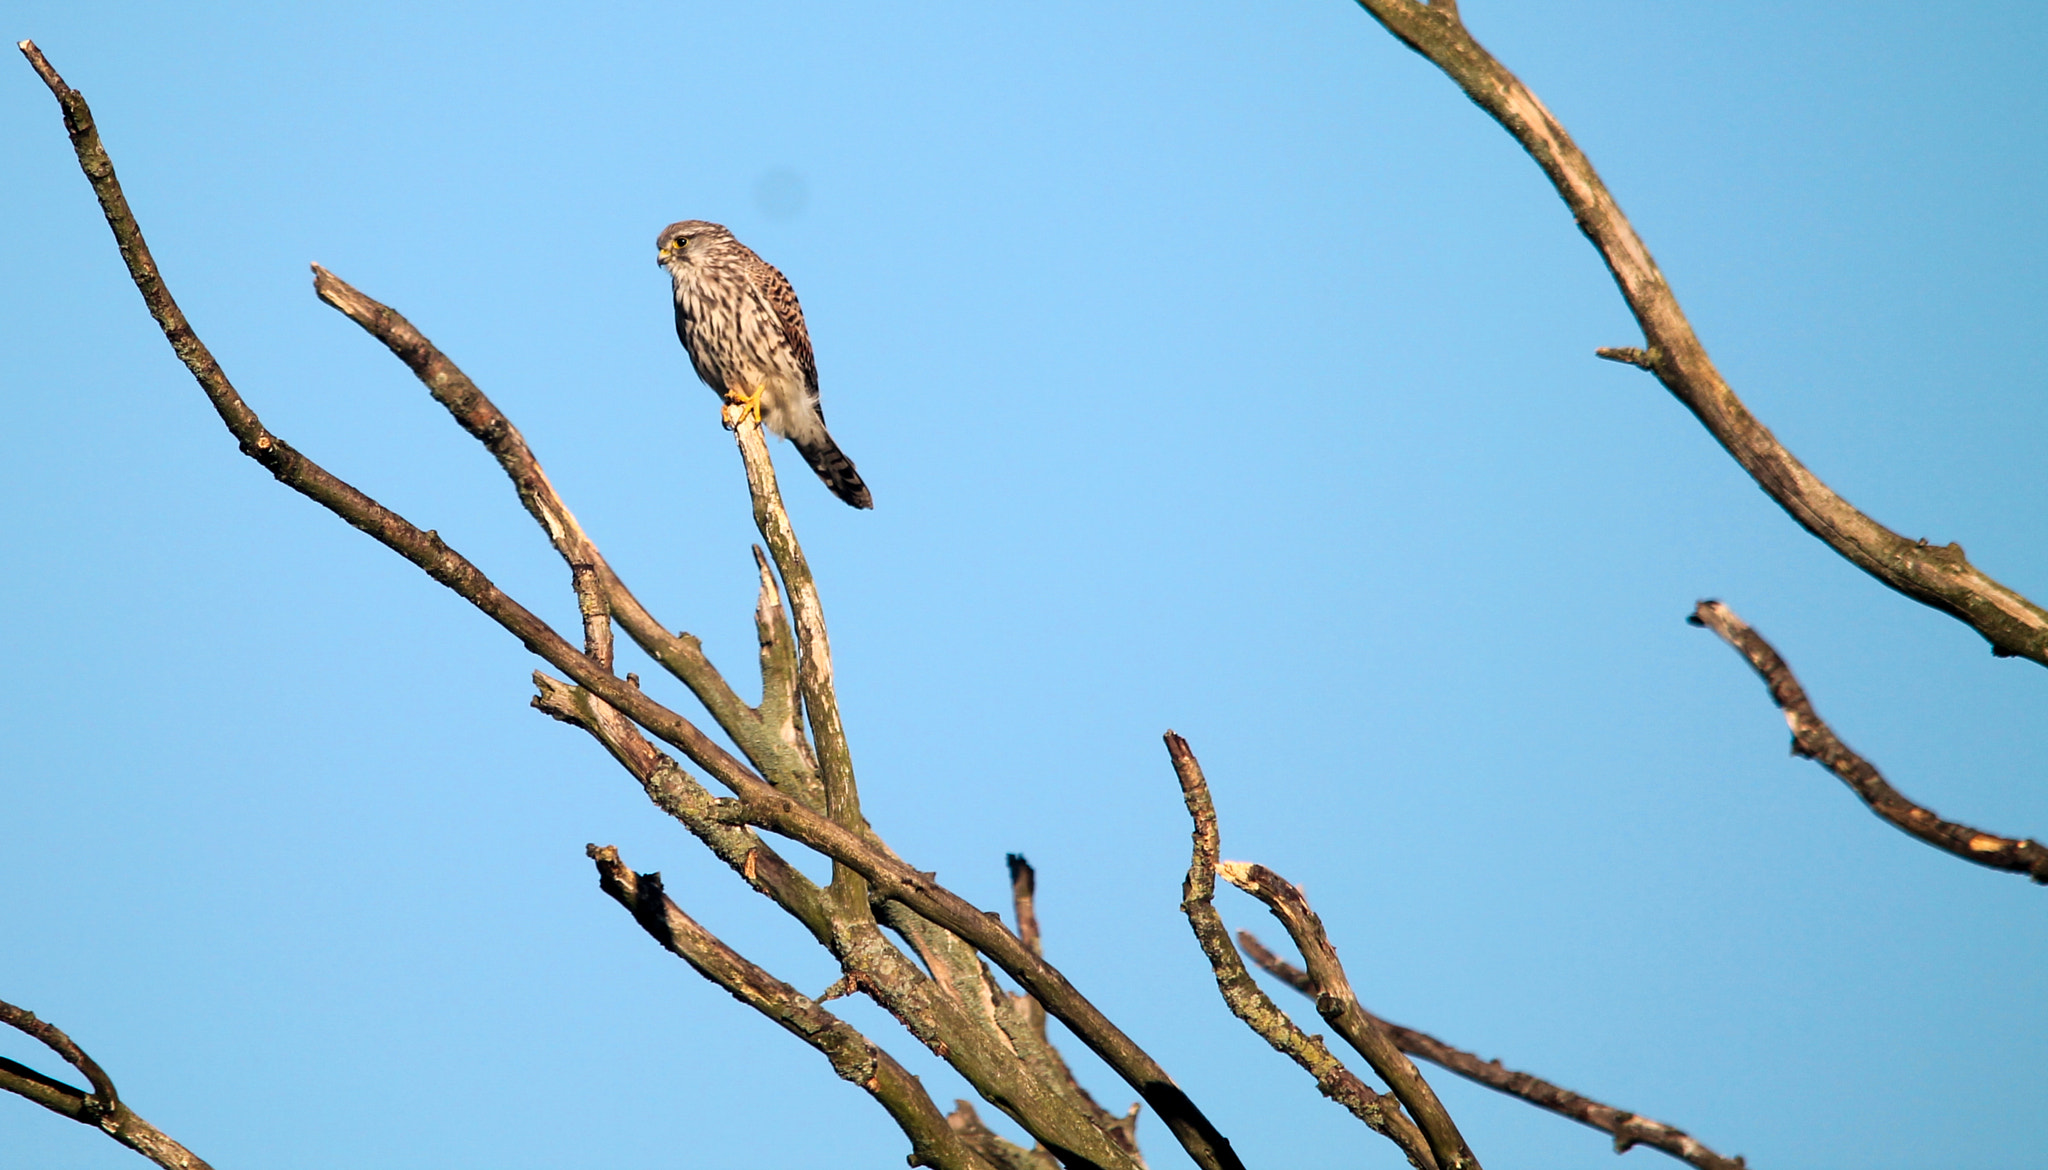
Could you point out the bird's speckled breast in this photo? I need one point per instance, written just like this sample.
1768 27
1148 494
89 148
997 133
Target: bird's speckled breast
734 339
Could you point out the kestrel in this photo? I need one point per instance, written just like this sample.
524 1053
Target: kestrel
739 320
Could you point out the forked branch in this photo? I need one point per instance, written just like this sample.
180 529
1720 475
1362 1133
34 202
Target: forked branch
933 1142
1248 1002
1627 1129
1938 576
814 655
1338 1004
100 1108
1814 739
980 1049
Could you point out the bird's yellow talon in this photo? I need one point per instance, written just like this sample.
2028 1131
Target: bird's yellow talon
740 407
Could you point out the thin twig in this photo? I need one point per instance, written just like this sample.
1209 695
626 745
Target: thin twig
1248 1002
773 747
1338 1004
1815 740
1627 1129
101 1108
1628 355
1034 1047
1937 576
1024 910
854 1057
1024 901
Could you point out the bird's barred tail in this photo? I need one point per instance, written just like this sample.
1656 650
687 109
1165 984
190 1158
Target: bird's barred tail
835 469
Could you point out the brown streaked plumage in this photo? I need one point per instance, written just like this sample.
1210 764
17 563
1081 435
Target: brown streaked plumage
740 322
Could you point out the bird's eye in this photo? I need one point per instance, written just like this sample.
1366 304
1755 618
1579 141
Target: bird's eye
682 242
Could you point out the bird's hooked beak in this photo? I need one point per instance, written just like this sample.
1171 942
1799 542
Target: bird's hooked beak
661 257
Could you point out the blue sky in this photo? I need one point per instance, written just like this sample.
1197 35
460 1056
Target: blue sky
1215 366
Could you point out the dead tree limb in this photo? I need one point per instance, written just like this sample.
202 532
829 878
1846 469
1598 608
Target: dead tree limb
1815 740
1627 1129
814 656
1937 576
1248 1002
100 1108
963 1023
1036 1048
933 1142
1338 1005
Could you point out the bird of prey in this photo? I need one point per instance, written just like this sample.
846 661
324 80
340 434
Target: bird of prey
739 320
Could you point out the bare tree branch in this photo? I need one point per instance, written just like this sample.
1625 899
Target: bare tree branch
814 653
1024 901
1627 355
891 878
992 1146
1338 1004
1816 741
1628 1129
933 1142
965 1025
1940 577
1024 911
781 702
101 1108
1248 1002
1034 1047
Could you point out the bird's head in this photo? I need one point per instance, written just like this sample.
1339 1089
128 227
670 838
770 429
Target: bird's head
681 245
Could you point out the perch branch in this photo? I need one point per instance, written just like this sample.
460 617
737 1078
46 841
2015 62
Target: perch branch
1248 1002
1937 576
1627 1129
1816 741
101 1108
814 649
933 1142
